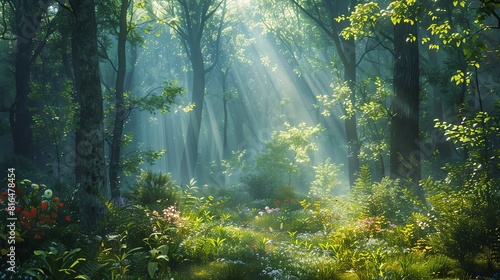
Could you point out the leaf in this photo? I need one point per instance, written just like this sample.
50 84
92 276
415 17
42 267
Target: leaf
152 268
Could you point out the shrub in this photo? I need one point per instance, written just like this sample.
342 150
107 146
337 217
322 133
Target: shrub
466 203
261 185
155 190
385 198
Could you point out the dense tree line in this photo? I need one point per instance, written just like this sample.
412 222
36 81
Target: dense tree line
384 69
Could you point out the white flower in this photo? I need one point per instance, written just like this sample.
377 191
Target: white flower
47 193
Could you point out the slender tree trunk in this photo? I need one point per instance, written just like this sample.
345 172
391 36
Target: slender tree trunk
404 136
225 151
120 112
75 57
190 154
90 147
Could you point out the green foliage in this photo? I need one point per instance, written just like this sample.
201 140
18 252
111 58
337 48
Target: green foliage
131 162
325 180
261 185
119 259
385 198
158 261
57 263
55 117
155 190
466 203
362 20
286 154
154 102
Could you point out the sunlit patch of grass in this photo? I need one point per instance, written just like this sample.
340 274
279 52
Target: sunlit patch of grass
220 270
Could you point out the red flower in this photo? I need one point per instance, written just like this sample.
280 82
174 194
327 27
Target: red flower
18 209
60 204
56 199
37 236
33 212
68 218
42 222
25 214
54 215
44 205
55 207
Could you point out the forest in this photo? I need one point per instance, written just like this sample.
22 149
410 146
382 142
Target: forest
250 139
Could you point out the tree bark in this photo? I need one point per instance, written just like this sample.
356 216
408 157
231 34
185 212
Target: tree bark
190 154
27 19
120 110
90 147
21 117
405 152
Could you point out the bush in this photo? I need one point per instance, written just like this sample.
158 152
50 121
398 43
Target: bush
385 198
261 185
155 191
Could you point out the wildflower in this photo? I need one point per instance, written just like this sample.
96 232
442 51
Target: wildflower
53 215
42 222
55 199
44 205
47 193
67 218
60 204
25 214
33 212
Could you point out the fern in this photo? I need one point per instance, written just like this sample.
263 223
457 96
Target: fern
155 190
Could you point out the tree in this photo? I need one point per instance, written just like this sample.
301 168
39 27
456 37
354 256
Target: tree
90 143
199 29
405 130
24 22
324 14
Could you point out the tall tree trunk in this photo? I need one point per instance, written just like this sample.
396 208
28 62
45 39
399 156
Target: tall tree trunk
90 147
27 19
225 151
351 128
120 111
346 49
21 117
190 154
404 136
